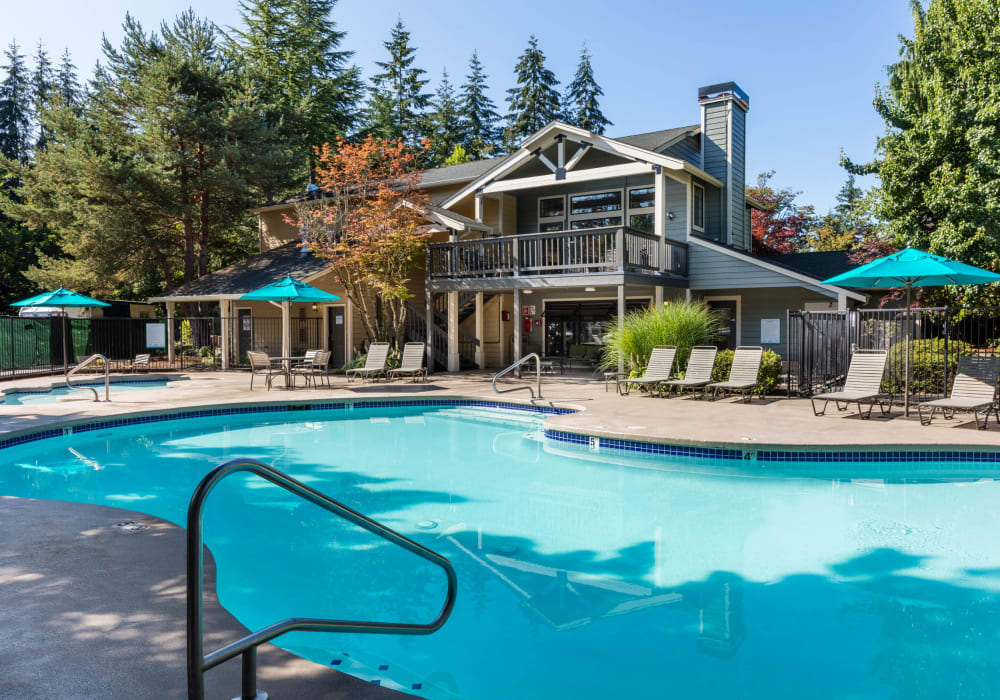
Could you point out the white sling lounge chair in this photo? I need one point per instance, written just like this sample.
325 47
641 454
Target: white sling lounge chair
699 370
744 374
661 363
378 356
863 385
412 364
974 390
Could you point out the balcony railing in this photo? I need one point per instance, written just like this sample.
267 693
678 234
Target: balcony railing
597 250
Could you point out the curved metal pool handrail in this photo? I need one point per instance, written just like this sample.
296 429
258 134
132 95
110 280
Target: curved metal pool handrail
198 662
536 393
107 376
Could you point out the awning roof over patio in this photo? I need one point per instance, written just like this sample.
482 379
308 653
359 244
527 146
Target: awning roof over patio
236 280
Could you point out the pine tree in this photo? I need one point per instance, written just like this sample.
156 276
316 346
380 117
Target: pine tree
15 107
67 83
42 91
481 133
397 106
535 101
583 109
291 48
445 122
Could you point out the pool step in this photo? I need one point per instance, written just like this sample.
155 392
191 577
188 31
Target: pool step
382 672
508 418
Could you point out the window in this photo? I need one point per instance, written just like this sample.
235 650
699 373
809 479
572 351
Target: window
641 202
698 208
585 210
551 213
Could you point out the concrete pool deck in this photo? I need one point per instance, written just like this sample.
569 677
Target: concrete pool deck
87 611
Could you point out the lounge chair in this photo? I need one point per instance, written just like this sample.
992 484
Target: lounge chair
974 390
140 361
661 364
412 364
863 385
378 356
313 368
744 374
260 365
699 370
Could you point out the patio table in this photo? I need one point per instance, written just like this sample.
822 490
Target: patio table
287 366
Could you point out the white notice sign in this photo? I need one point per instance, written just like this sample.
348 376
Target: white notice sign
156 335
770 331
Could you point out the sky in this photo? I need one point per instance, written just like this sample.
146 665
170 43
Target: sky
809 66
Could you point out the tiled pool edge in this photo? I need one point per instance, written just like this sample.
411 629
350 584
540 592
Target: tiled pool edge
847 453
84 426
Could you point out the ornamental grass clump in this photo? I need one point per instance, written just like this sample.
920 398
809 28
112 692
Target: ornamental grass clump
680 323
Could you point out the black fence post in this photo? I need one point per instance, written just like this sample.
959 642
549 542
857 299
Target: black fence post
947 332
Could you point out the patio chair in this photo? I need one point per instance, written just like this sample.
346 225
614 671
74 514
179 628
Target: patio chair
974 390
862 386
375 363
661 364
744 374
412 364
699 370
313 368
140 361
260 365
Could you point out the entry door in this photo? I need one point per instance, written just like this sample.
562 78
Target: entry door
337 325
726 308
244 333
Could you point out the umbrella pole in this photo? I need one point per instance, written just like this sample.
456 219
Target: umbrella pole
906 396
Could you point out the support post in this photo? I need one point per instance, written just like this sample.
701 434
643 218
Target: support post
620 248
225 329
500 229
841 302
429 308
660 218
621 321
657 296
517 329
286 328
170 333
480 331
453 361
478 216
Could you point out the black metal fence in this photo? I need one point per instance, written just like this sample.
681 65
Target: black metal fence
820 345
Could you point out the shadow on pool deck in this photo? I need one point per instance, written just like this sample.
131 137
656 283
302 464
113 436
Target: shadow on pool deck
89 611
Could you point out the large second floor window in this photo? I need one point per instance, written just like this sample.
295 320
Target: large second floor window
641 202
595 209
551 213
698 208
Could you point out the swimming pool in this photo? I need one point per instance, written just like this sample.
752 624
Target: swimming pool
582 573
61 393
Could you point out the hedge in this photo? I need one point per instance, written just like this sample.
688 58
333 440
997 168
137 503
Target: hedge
770 368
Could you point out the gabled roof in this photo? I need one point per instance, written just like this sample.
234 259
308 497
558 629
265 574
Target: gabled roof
236 280
820 264
655 140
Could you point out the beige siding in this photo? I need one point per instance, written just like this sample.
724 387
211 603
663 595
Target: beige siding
274 230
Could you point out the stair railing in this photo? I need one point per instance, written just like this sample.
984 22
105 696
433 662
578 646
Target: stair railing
198 662
107 376
536 393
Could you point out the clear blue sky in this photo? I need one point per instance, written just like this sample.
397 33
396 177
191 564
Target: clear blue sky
810 67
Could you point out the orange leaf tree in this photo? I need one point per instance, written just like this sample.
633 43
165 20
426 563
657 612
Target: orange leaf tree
366 225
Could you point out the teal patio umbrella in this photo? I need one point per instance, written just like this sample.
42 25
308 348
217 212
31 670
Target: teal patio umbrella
911 268
62 299
288 292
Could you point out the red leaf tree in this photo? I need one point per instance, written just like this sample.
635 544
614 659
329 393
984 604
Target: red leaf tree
365 223
782 227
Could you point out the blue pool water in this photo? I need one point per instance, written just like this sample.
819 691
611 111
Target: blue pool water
61 393
585 575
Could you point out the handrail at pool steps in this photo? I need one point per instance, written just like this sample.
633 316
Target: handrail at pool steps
536 393
198 662
107 376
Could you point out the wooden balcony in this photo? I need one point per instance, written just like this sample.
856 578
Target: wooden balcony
600 252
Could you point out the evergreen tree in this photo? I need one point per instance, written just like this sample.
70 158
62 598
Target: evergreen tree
43 83
535 101
583 109
397 105
481 133
15 107
445 121
67 84
291 48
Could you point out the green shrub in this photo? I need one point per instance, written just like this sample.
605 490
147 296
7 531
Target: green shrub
926 365
205 351
680 323
770 368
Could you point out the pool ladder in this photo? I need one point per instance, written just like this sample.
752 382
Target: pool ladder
107 376
198 662
536 393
